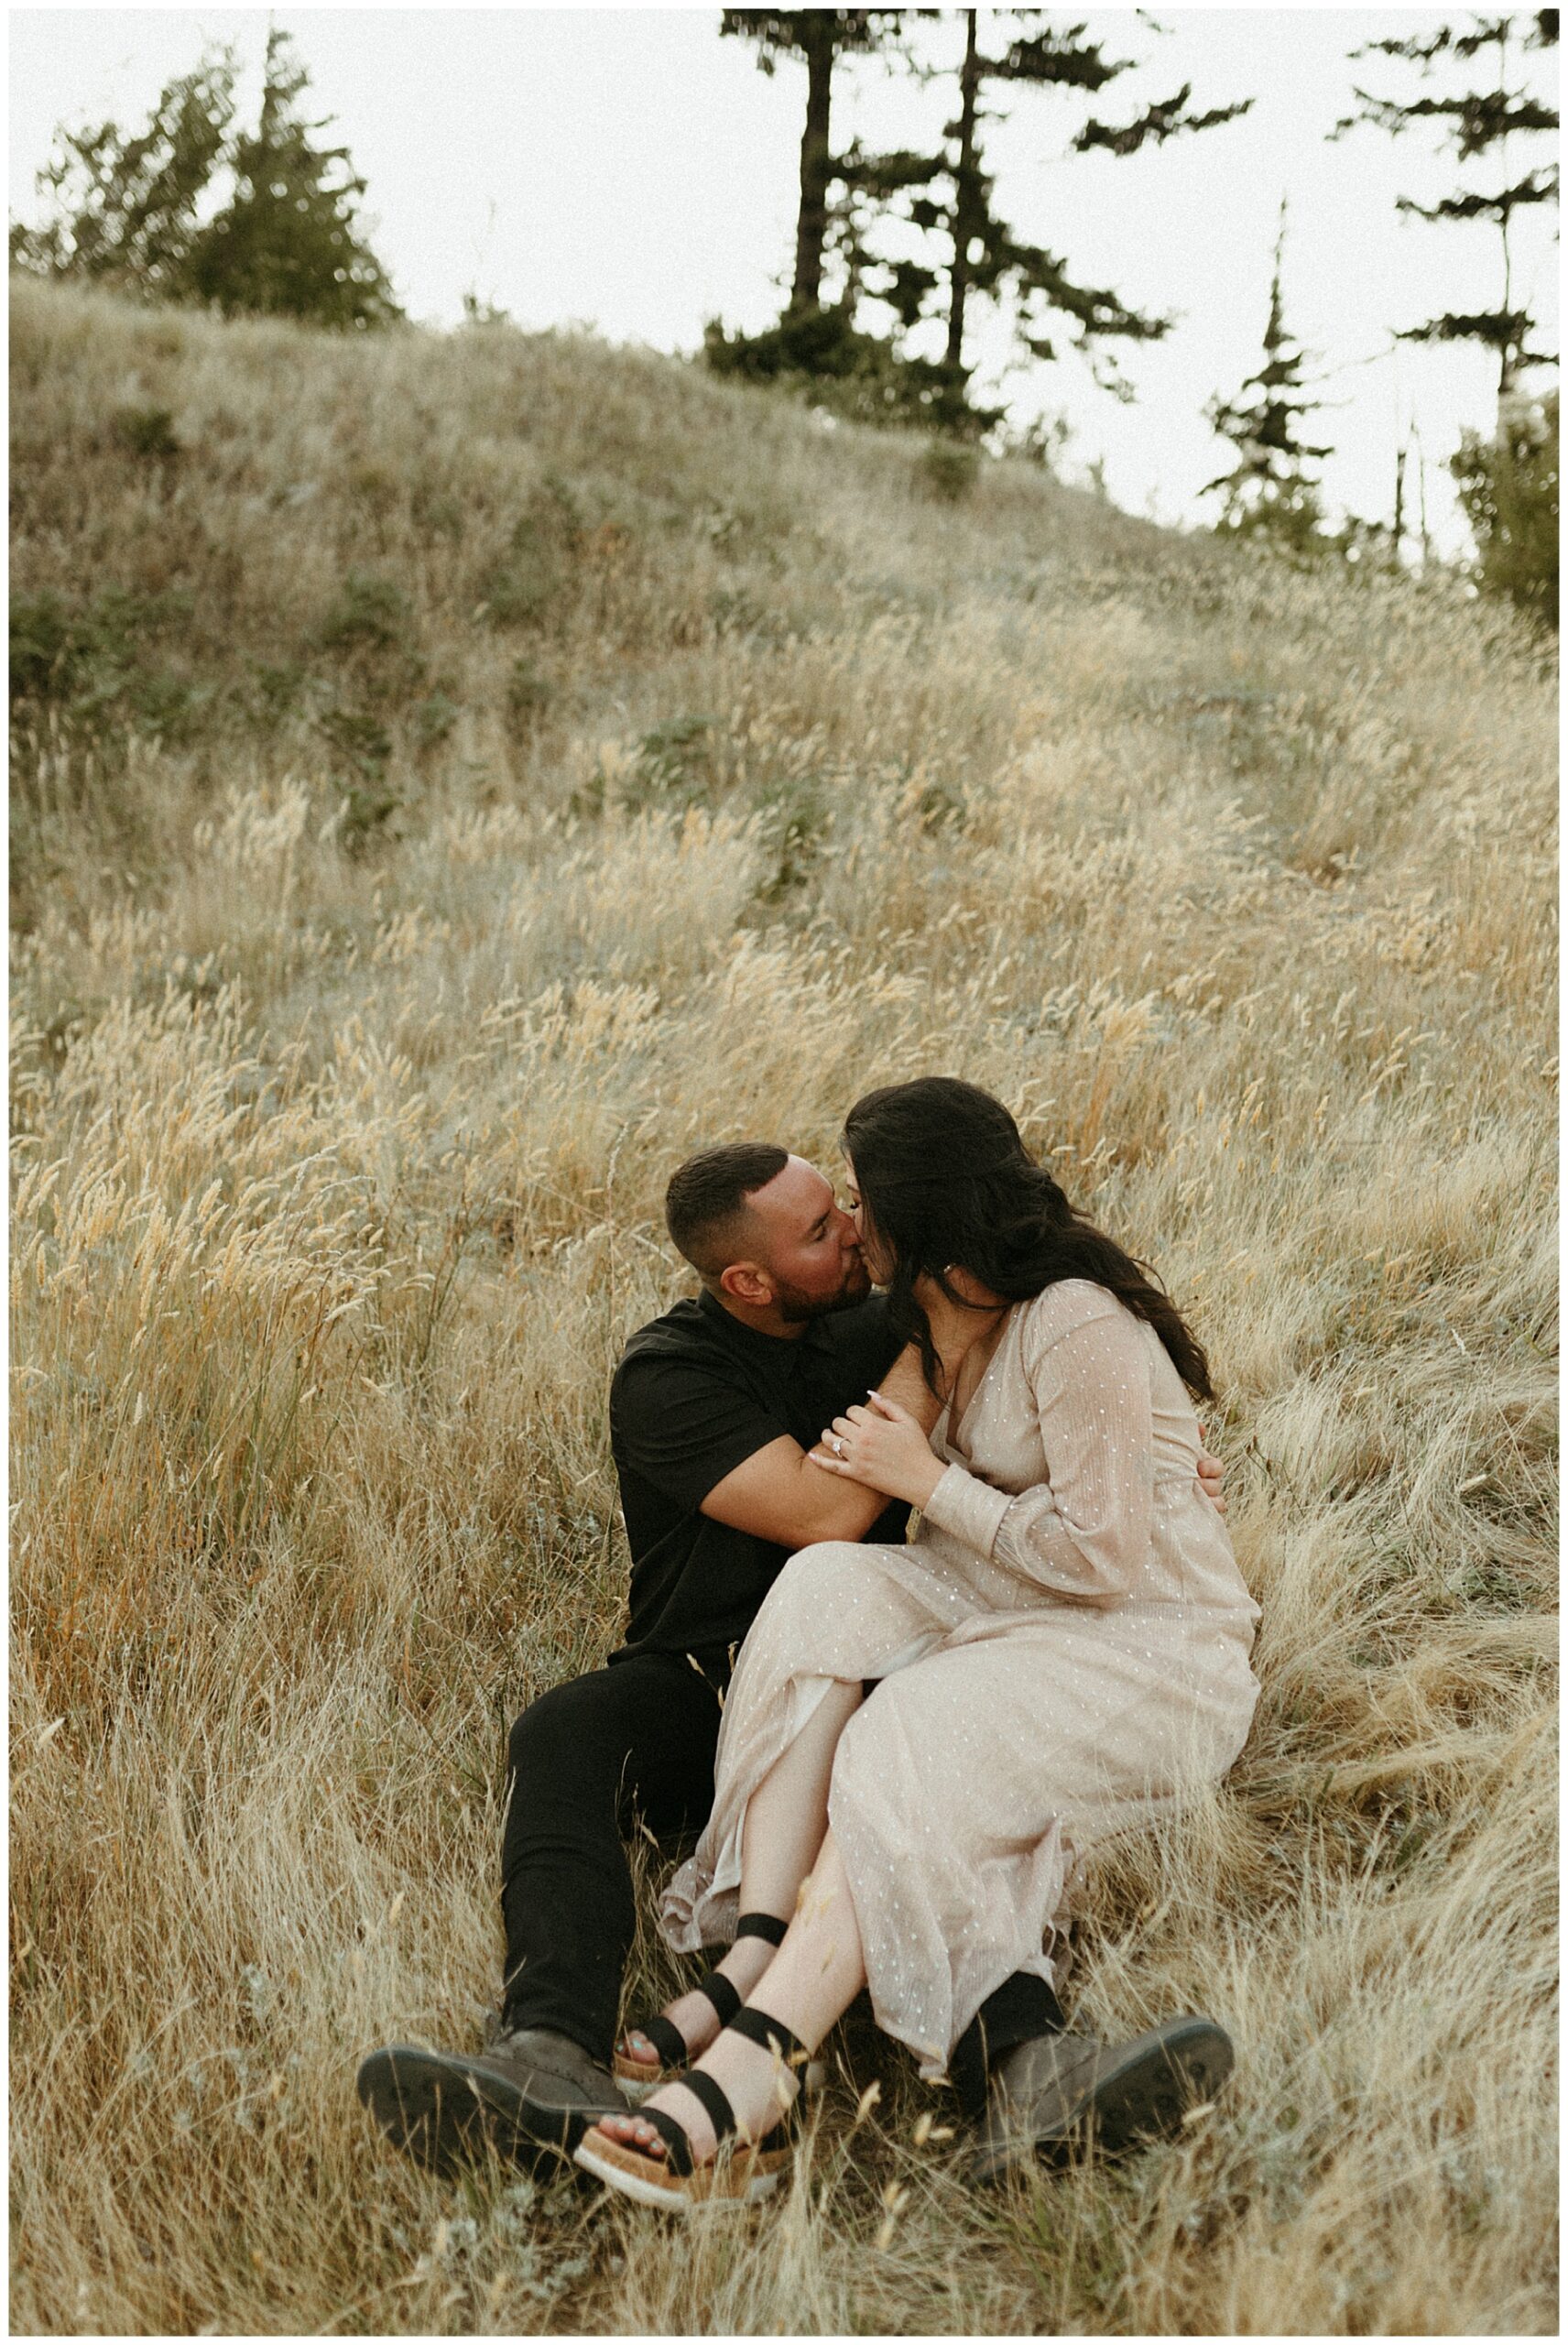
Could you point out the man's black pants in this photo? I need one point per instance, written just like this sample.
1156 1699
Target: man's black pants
588 1762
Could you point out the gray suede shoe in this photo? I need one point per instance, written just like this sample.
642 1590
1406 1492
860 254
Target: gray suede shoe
1053 2094
529 2096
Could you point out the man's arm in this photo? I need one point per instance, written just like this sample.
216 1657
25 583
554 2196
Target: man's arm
778 1494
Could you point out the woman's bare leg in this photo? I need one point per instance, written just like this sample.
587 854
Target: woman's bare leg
786 1815
809 1983
785 1819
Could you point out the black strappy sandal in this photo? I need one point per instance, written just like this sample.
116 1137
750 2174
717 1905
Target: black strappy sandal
737 2176
675 2055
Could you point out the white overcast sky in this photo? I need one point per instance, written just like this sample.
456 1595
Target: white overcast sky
627 169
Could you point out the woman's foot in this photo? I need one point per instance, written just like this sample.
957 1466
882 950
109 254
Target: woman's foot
759 2087
694 2016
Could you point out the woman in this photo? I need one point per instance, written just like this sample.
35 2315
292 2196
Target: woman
1060 1652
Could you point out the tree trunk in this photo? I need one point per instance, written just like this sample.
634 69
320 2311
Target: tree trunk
965 208
818 39
1505 354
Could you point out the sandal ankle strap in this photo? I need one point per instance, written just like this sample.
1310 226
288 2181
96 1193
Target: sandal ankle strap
721 1993
666 2038
714 2098
762 2028
762 1925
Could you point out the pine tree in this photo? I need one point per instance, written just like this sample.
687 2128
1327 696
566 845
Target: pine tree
1473 123
820 37
286 242
953 198
125 205
1270 489
864 376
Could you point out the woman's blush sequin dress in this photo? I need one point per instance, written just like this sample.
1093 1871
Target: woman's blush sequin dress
1061 1649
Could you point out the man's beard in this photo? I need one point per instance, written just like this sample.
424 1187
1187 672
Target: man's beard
795 1308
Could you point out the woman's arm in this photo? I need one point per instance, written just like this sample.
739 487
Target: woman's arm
1083 1532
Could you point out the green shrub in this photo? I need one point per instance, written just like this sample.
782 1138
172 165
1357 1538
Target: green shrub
675 761
147 431
535 574
797 816
275 690
368 610
43 647
436 511
822 354
518 592
365 816
734 610
674 765
169 705
434 718
92 658
948 470
528 695
360 740
1508 485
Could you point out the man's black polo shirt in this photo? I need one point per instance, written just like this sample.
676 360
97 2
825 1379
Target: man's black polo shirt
695 1395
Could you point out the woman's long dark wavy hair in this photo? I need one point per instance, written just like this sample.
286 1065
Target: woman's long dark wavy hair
944 1174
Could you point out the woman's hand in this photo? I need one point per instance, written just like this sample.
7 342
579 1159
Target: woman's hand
881 1445
1211 1476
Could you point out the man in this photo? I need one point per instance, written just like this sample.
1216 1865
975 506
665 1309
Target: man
713 1410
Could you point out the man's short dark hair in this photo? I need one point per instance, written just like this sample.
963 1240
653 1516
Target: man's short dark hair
704 1204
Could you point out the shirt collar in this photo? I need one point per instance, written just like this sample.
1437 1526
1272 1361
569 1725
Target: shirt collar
782 1350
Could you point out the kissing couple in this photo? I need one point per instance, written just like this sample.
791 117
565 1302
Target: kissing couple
896 1752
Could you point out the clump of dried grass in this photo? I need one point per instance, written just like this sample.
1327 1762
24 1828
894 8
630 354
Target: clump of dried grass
339 1143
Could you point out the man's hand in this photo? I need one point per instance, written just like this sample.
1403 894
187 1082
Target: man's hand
1211 1473
883 1447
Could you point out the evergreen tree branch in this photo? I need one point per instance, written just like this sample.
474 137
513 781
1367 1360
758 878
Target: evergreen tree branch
1162 120
1500 330
1536 187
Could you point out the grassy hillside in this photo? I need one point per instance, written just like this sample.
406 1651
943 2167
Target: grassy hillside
451 779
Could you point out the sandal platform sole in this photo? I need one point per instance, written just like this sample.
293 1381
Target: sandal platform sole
741 2180
637 2082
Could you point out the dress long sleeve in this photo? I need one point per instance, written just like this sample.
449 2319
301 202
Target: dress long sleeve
1083 1532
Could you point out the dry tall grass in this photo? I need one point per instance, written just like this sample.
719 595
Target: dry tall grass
732 774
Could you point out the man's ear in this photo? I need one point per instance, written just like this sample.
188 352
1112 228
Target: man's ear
747 1283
